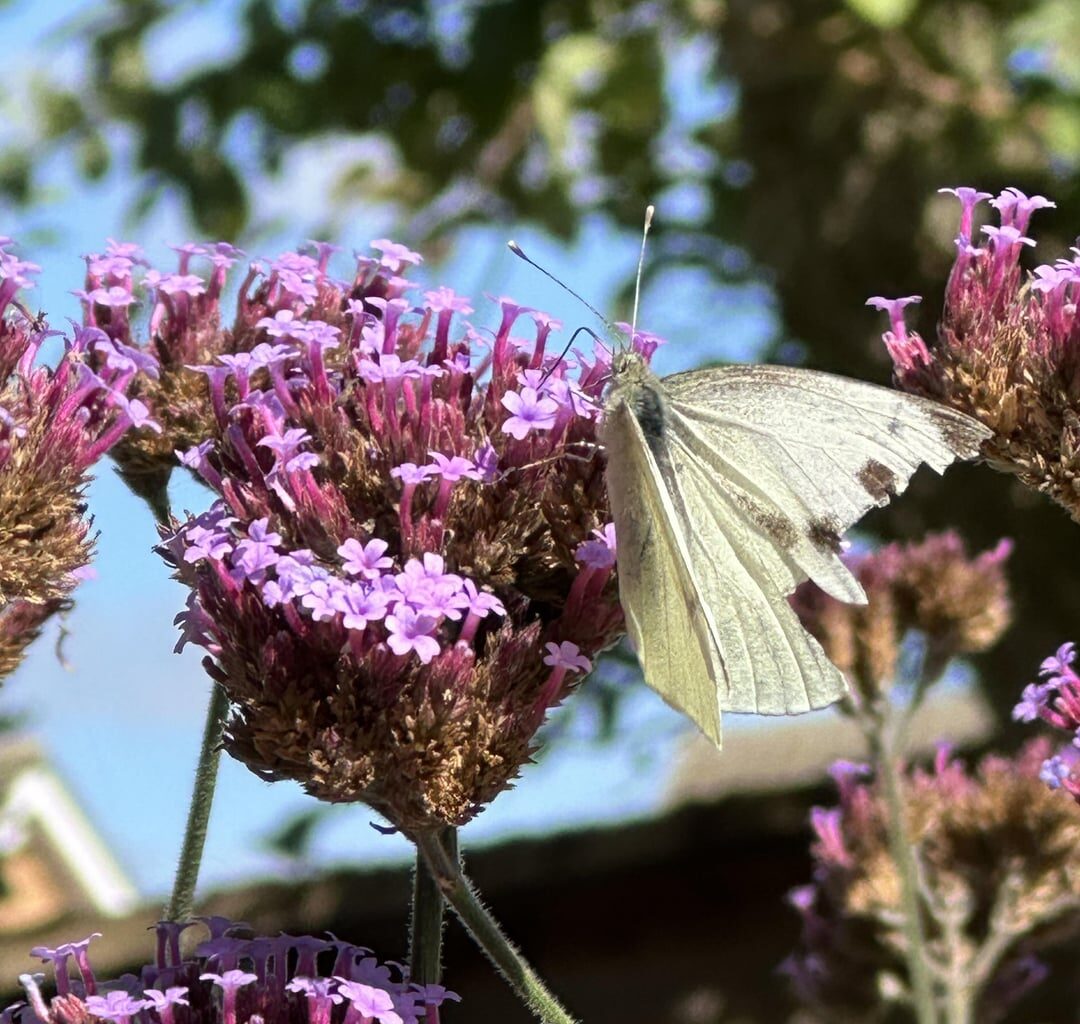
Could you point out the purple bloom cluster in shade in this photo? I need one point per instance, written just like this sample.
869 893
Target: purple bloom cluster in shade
231 980
851 916
1056 699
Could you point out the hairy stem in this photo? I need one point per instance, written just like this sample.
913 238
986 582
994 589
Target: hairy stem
202 799
922 991
426 923
460 894
959 981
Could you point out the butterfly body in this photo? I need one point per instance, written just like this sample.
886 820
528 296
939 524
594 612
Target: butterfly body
636 386
730 486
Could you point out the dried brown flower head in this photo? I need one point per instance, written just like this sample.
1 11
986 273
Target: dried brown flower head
959 604
999 867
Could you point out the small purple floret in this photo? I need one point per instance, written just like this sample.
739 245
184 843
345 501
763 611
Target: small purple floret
529 412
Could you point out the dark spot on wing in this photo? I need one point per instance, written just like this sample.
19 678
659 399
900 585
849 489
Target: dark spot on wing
825 535
780 529
877 480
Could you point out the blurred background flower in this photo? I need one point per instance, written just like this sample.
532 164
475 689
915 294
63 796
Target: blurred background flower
999 880
929 591
226 977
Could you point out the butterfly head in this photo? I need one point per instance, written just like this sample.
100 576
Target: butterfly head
628 366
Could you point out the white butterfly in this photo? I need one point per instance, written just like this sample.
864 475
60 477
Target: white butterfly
731 486
728 488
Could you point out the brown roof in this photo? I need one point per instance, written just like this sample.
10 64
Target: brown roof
785 753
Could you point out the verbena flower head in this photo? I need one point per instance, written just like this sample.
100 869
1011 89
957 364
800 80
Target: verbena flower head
999 870
55 423
289 979
402 573
958 603
1008 346
1055 699
185 331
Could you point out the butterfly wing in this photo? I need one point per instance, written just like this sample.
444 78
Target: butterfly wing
667 624
765 468
771 664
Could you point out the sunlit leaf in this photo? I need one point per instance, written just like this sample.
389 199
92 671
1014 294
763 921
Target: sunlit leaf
571 70
883 13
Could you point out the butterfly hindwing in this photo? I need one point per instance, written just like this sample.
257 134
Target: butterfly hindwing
772 665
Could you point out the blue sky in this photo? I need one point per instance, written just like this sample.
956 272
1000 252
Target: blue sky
123 724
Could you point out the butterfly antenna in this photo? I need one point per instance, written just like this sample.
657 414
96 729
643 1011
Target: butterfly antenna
520 253
649 211
566 348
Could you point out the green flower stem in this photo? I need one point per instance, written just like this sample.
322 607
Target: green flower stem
153 488
202 799
922 990
458 891
961 981
426 924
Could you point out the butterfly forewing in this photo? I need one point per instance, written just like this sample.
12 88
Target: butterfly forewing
778 463
840 424
667 624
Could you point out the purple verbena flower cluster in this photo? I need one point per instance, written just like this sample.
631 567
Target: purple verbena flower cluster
407 611
985 282
184 330
1008 346
230 980
410 558
1056 699
55 423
